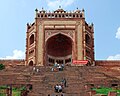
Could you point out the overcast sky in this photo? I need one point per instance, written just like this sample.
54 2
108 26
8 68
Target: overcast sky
15 14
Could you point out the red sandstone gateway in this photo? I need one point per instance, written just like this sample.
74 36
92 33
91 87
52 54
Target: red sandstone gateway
60 37
81 62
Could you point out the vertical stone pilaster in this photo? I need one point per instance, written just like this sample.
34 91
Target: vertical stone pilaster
84 44
93 54
79 42
40 45
74 45
26 53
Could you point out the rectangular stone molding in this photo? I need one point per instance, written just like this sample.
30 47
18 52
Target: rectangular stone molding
59 22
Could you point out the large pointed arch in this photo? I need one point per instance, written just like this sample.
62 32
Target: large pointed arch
62 33
59 48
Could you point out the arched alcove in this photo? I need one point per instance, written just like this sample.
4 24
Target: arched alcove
32 39
87 39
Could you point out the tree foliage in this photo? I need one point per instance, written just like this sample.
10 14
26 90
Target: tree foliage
2 66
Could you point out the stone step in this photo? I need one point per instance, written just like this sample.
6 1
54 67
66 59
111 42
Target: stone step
44 81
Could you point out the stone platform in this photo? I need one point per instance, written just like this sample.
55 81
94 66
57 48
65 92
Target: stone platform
79 80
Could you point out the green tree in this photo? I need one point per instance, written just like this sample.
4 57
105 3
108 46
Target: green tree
2 66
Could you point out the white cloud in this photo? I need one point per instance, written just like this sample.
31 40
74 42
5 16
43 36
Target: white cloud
17 54
118 33
115 57
54 4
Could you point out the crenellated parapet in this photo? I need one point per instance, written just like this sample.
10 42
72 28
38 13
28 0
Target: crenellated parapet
60 13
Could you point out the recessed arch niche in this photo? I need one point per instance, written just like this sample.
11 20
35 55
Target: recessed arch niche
59 49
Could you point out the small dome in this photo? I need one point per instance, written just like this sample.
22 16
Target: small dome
42 11
59 11
77 11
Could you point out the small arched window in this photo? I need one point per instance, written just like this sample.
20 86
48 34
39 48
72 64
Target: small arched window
31 39
87 39
31 63
55 15
59 15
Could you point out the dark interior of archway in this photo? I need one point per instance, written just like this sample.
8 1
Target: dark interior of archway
87 39
31 39
31 63
59 46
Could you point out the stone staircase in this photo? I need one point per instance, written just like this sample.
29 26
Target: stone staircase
43 82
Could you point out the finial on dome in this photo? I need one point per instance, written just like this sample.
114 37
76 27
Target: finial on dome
27 24
83 10
59 7
36 10
92 24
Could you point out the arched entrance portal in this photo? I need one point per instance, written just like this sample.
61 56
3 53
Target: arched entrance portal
59 49
31 63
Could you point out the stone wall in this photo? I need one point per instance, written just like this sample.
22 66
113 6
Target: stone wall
13 62
106 63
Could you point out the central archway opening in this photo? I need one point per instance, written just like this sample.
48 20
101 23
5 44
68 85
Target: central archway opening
59 49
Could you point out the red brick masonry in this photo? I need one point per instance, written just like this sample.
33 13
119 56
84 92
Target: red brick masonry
107 63
13 62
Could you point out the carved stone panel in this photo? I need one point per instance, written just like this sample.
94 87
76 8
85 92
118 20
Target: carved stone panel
50 33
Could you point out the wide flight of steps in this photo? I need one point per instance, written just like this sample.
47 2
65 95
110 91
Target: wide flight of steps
43 82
